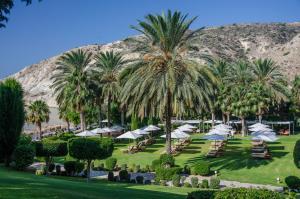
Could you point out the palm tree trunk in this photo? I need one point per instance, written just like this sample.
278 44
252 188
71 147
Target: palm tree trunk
228 118
168 123
68 125
213 117
223 118
100 117
108 109
39 124
82 121
244 129
122 117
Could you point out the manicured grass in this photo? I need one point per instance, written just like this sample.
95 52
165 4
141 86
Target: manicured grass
236 164
15 184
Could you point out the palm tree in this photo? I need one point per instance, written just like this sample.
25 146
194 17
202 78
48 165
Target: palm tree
162 82
37 113
71 81
108 65
268 75
295 95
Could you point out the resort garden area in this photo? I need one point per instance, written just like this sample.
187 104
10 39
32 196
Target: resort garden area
157 126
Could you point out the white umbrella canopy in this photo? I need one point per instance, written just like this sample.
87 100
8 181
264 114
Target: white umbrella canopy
129 135
265 138
86 134
214 137
260 129
141 132
215 121
258 125
267 133
217 132
222 126
97 130
105 121
185 129
151 128
187 126
177 135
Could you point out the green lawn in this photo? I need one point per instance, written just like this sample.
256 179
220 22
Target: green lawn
28 186
236 164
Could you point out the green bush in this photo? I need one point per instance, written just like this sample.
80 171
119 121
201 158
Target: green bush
202 194
110 176
147 168
50 148
176 180
167 160
293 182
296 154
201 168
110 163
24 156
187 169
214 183
70 167
155 164
247 193
58 169
204 184
187 184
166 173
51 167
24 140
194 182
66 136
139 179
123 166
79 166
163 183
123 175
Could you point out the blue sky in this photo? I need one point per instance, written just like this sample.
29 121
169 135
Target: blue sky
45 29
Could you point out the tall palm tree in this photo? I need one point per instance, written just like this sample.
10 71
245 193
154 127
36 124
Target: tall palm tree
108 65
295 95
162 82
71 81
268 75
37 113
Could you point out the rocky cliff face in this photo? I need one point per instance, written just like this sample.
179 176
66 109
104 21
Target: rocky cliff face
278 41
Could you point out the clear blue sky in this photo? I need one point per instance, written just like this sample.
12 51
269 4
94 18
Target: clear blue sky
45 29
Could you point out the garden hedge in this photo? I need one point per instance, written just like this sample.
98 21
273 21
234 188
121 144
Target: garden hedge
166 173
296 154
201 168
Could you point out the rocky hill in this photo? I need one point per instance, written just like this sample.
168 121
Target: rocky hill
278 41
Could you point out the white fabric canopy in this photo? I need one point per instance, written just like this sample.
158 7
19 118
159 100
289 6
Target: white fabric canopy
258 125
140 132
177 135
214 137
151 128
86 133
253 129
187 126
216 132
185 129
222 126
98 130
129 135
210 122
265 138
267 133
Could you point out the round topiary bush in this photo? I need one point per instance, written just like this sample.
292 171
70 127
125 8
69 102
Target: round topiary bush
110 163
79 166
58 169
214 183
23 156
51 167
176 180
194 182
123 175
110 176
293 182
201 168
204 184
70 167
155 164
167 160
187 184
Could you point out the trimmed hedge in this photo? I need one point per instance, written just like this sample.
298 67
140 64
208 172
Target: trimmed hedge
176 180
296 154
166 173
50 148
293 182
124 176
235 193
214 183
167 160
24 156
201 168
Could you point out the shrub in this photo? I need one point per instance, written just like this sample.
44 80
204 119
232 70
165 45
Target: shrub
123 175
293 182
176 180
214 183
194 182
204 184
110 163
70 167
166 173
79 166
155 164
137 169
187 184
110 176
201 194
58 169
167 160
163 183
147 168
123 166
51 167
186 169
201 168
139 179
23 156
66 136
296 154
247 193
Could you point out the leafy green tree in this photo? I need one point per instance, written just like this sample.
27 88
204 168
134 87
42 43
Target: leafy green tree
90 149
108 65
162 82
37 113
72 80
12 116
295 96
